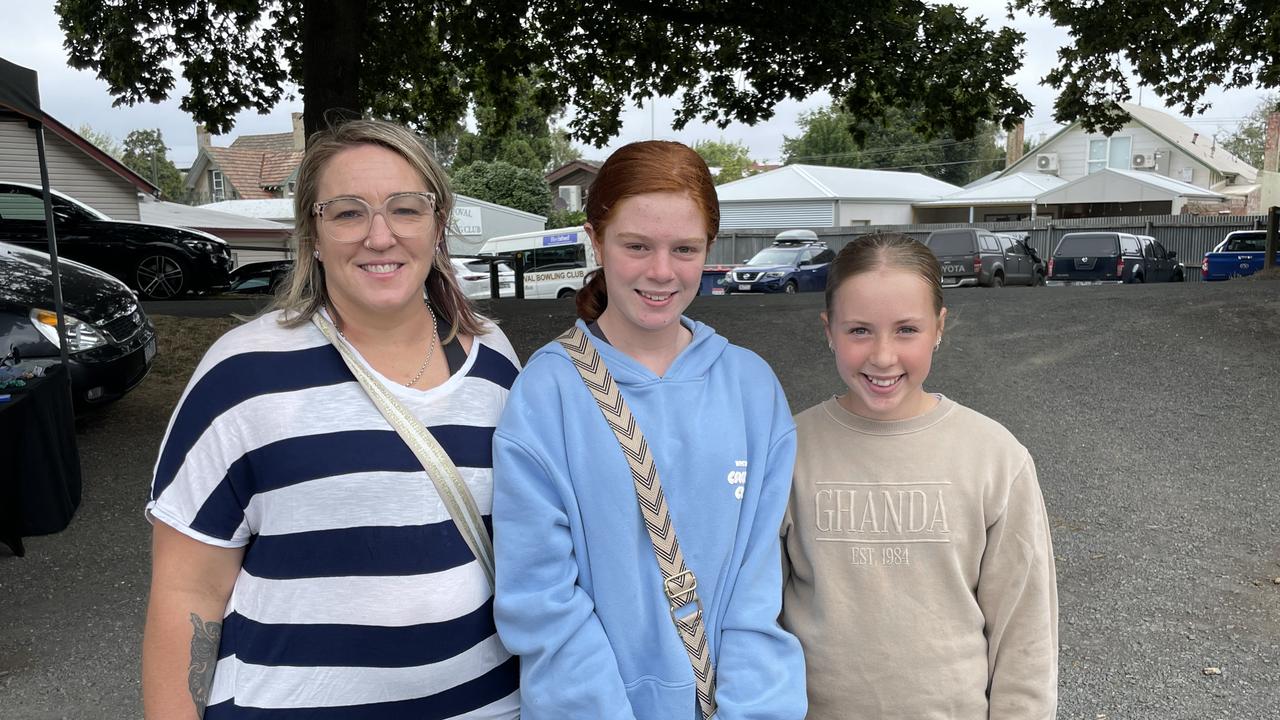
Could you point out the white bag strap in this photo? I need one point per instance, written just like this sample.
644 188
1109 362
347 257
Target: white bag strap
678 583
443 473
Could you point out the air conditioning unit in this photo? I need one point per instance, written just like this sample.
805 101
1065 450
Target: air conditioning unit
1143 162
1047 162
571 195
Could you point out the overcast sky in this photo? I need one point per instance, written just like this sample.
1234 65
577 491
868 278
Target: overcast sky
30 36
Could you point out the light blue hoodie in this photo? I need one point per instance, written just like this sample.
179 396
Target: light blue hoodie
579 594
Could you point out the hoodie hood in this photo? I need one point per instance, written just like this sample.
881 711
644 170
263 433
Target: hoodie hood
693 363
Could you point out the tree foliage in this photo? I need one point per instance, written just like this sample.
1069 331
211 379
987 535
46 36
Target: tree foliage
101 140
1249 139
145 153
731 157
896 143
505 184
425 63
528 139
1180 50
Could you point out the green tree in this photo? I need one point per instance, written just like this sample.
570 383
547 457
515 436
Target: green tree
1180 51
103 141
145 153
1249 139
426 63
528 139
506 184
898 142
733 158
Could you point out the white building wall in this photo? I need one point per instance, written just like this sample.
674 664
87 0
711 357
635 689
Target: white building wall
71 171
863 213
777 214
1072 148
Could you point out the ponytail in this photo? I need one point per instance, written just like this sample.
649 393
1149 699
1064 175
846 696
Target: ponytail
593 298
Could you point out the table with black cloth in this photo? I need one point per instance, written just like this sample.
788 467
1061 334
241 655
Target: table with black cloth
39 460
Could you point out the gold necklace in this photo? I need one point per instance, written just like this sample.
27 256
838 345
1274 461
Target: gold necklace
431 351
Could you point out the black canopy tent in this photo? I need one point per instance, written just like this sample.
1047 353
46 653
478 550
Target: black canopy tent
20 92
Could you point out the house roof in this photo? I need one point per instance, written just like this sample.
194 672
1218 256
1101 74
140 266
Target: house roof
1173 131
588 166
1110 185
1016 189
278 209
272 142
20 95
1194 143
820 182
251 172
204 218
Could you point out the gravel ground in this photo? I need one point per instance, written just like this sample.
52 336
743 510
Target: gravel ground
1151 412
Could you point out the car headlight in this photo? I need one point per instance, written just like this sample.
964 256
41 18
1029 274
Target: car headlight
200 245
81 335
774 274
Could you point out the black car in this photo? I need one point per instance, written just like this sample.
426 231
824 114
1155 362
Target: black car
260 278
159 261
1106 257
975 256
110 340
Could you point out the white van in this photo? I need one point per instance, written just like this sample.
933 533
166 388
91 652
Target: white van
556 262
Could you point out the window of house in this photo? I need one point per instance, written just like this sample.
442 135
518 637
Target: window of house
1112 152
217 186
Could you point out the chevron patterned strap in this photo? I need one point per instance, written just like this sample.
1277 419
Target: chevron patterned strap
679 584
450 486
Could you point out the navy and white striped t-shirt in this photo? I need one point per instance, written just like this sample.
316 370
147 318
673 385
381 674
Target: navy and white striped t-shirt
357 598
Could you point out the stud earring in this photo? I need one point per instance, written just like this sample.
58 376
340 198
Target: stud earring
315 254
937 345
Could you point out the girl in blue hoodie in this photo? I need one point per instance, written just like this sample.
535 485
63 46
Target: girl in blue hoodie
579 591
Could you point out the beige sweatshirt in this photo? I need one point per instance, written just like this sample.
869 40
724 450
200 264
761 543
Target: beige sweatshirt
919 569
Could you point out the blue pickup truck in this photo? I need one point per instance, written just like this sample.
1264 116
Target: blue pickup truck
1238 255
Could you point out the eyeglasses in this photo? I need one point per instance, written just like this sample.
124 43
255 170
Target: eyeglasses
348 219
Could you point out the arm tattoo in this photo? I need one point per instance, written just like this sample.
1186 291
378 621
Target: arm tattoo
204 658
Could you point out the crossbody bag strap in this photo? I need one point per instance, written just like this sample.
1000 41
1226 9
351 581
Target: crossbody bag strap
678 583
444 475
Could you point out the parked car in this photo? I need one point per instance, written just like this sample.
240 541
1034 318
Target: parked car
267 276
796 262
473 276
1158 264
1239 254
264 277
975 256
159 261
111 342
1106 257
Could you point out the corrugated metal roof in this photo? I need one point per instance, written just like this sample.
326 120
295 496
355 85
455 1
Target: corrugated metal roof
1016 189
1117 186
812 182
167 213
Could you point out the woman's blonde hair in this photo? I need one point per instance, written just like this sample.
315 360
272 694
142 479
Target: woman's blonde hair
304 289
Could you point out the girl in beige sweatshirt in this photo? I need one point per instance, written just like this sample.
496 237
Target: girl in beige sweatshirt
919 570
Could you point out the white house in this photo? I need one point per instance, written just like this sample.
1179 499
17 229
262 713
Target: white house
815 196
1152 143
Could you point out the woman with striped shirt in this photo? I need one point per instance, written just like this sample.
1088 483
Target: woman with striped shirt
304 564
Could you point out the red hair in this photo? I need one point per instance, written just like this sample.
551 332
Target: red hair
651 166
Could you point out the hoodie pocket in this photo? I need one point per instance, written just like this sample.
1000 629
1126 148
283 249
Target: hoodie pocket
654 699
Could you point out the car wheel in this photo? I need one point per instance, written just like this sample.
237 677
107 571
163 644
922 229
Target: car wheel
161 276
566 293
790 288
1178 277
1039 280
1138 279
997 280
